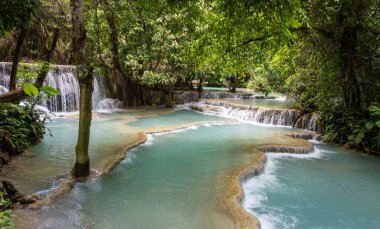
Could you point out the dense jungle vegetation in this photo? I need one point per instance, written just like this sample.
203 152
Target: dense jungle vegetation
323 54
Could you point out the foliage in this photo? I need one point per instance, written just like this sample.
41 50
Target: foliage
366 133
30 89
324 55
6 219
14 13
20 126
28 73
5 214
260 81
151 78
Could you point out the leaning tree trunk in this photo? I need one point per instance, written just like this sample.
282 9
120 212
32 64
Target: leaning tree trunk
85 78
16 58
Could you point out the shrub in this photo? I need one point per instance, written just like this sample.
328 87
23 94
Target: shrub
360 131
20 126
5 214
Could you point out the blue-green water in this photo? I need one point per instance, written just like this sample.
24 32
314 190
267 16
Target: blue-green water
169 182
109 133
330 188
172 119
174 179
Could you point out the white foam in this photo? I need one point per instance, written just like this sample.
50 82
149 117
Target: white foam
279 220
234 113
316 154
130 157
149 140
256 188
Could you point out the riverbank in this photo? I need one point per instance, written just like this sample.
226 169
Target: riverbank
25 212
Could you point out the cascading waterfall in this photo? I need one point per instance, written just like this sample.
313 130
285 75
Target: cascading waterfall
4 76
62 78
272 116
193 96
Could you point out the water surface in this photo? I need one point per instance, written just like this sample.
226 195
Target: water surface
330 188
172 181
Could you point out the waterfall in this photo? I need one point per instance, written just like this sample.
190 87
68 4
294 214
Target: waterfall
193 96
272 116
5 73
62 78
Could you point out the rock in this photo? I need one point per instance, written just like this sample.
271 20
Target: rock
10 190
14 195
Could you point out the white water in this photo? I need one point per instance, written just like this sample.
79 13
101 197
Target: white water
257 187
63 79
255 114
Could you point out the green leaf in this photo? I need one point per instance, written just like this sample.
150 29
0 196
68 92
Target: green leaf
378 124
49 90
30 89
369 125
359 138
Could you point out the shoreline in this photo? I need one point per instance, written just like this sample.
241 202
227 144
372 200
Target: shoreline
233 196
21 210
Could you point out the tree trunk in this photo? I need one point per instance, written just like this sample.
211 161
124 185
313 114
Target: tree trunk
16 58
82 164
351 90
348 52
168 97
124 83
46 66
233 84
85 78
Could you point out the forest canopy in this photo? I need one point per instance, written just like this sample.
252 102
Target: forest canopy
323 54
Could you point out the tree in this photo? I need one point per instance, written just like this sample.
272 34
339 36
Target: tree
16 14
52 30
85 77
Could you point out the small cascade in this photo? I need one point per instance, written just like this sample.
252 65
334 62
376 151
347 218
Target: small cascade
111 104
62 78
5 73
272 116
193 96
309 122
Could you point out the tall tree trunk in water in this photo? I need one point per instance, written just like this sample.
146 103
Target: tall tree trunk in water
200 87
16 58
124 83
85 79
